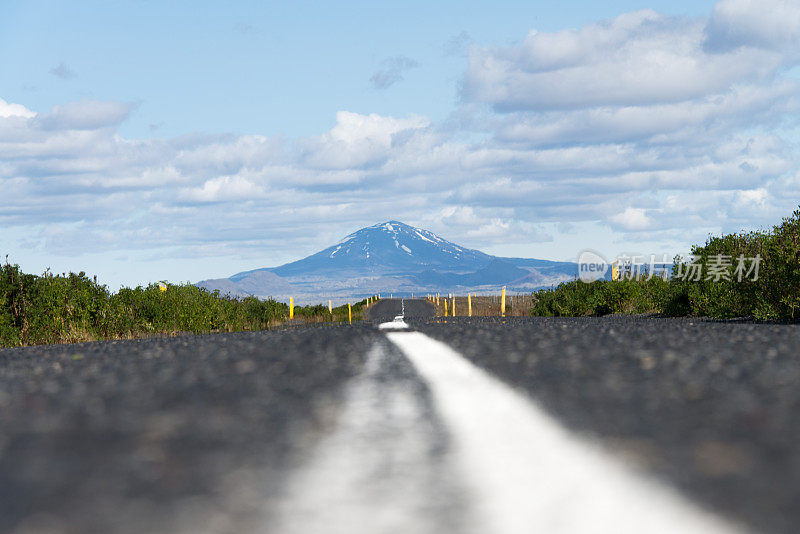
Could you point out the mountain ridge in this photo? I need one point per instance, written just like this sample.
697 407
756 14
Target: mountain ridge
396 257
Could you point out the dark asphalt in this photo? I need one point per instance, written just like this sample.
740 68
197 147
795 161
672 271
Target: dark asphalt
712 407
199 433
187 434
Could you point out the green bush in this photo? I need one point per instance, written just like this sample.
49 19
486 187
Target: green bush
774 295
576 298
776 292
71 307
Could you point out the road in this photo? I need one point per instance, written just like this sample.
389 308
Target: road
615 424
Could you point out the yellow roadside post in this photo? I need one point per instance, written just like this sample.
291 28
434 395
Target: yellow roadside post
349 314
503 302
445 307
615 270
454 304
291 308
469 304
330 307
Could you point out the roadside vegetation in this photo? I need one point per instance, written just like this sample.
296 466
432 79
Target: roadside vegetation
517 305
773 295
66 308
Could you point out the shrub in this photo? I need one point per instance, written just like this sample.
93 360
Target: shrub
576 298
775 294
71 307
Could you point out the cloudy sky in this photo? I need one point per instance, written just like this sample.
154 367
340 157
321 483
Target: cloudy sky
141 142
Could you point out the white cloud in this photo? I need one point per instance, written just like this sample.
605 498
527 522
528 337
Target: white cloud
632 219
772 24
225 188
357 140
14 110
752 197
635 59
648 127
86 115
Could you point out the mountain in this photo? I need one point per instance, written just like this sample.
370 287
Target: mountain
394 257
390 247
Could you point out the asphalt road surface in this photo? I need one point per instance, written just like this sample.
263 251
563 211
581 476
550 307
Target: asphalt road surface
473 425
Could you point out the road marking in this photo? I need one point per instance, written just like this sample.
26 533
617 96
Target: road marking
381 468
526 473
399 322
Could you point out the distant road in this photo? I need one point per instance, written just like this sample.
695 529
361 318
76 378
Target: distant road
474 425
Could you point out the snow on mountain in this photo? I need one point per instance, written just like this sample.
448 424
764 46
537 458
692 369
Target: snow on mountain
386 248
393 256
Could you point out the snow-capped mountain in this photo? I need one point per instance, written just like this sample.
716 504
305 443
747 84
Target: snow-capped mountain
390 247
395 257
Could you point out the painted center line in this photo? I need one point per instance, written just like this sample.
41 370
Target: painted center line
397 324
383 467
526 473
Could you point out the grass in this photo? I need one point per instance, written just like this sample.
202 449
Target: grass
487 305
67 308
774 295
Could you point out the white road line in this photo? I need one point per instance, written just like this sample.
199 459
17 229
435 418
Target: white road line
397 324
380 470
527 474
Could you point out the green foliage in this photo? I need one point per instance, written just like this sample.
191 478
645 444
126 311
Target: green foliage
576 298
72 307
773 295
776 292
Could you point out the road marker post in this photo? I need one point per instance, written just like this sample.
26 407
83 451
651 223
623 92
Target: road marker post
445 307
330 307
291 308
615 270
503 302
349 314
469 304
454 304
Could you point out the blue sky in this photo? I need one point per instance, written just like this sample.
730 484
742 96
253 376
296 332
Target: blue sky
187 140
269 68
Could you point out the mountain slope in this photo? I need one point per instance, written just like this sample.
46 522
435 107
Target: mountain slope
387 248
393 256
